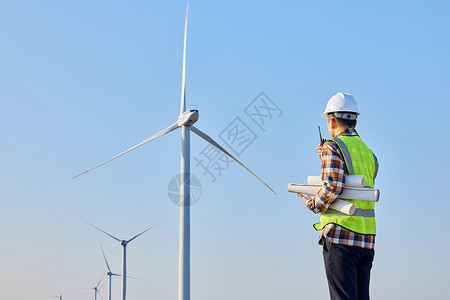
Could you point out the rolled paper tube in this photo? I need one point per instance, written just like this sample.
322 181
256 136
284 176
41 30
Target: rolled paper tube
343 206
350 180
365 194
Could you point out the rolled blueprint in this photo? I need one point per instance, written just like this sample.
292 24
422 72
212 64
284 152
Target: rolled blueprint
343 206
350 180
365 194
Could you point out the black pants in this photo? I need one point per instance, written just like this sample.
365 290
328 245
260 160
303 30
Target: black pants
348 271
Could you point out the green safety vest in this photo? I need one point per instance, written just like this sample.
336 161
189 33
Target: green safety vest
359 160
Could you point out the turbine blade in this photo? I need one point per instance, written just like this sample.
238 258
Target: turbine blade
161 133
103 283
60 295
183 76
146 230
101 279
65 285
215 144
102 231
100 296
104 256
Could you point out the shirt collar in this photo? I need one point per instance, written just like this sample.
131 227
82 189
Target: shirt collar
348 132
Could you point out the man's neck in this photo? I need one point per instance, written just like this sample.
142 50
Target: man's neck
339 130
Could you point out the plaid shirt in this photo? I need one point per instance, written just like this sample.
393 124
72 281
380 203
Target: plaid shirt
333 177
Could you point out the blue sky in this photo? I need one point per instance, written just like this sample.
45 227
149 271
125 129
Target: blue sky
82 81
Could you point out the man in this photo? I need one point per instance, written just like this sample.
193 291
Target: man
348 241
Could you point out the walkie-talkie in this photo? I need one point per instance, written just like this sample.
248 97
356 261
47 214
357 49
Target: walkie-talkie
322 141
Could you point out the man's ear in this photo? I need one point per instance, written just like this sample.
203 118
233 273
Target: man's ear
333 123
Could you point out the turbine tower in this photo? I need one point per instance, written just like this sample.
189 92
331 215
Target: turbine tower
186 120
124 244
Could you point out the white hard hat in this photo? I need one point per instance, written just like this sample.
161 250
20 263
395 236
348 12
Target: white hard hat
340 104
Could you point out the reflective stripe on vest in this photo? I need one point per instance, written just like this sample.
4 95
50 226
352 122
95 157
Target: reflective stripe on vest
364 163
359 212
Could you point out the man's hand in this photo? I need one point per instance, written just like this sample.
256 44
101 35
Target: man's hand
319 151
306 199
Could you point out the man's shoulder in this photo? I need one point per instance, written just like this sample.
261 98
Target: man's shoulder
331 145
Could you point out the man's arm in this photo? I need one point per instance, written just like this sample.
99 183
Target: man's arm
333 177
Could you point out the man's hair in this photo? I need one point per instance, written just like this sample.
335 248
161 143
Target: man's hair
343 122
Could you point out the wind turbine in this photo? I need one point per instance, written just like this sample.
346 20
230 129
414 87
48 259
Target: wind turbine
186 120
96 288
124 244
109 273
60 296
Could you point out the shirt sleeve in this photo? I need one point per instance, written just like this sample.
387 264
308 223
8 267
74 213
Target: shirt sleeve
333 178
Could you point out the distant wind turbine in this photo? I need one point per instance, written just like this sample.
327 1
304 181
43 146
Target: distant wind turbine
109 273
186 120
96 288
124 244
60 296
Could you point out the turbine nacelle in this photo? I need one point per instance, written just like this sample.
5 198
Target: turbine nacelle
188 118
